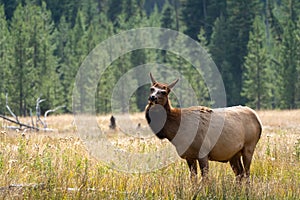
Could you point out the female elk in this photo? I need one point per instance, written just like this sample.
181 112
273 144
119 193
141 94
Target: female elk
201 134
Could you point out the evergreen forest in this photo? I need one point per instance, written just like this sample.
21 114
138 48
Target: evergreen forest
254 43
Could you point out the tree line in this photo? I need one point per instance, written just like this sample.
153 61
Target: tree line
254 43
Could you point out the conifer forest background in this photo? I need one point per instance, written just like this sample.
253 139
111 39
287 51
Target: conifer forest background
254 43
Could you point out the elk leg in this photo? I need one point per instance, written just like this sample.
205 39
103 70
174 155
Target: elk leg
203 162
193 169
237 167
247 154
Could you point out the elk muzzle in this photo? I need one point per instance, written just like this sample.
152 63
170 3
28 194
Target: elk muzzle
152 98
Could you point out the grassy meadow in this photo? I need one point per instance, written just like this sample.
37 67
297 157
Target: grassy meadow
56 165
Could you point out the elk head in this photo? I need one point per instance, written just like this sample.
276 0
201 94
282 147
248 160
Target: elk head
159 92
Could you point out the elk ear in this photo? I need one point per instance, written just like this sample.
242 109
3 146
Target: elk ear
152 79
171 85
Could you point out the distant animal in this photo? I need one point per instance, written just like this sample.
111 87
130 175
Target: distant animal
112 124
202 134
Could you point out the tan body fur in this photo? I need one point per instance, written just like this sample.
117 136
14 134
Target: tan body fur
201 134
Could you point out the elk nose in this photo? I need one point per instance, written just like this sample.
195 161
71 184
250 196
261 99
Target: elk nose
152 98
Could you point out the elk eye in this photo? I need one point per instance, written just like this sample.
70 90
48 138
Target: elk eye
152 90
163 92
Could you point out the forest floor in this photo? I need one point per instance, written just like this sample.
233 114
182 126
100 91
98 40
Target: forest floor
57 164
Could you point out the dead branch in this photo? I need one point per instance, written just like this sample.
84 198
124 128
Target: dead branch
48 111
32 123
8 108
23 186
19 123
38 111
55 109
38 116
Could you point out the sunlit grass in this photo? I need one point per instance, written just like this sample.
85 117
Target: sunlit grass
56 165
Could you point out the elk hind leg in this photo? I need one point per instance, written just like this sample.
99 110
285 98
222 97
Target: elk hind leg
247 155
237 167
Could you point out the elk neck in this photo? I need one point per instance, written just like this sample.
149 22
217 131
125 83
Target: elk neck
172 123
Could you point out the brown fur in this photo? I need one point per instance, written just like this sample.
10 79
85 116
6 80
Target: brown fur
239 134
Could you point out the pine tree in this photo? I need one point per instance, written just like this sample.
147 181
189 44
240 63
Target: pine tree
61 51
135 17
272 21
104 91
130 9
214 9
256 88
91 11
218 48
202 40
198 82
218 45
201 14
33 62
167 21
74 54
290 10
9 7
240 19
21 63
154 18
5 59
193 16
297 34
66 8
100 29
273 52
49 85
23 71
114 10
168 17
120 66
235 36
286 57
289 59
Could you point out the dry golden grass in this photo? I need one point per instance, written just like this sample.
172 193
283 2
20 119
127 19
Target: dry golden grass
56 165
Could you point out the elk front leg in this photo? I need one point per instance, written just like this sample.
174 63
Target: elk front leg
203 162
193 169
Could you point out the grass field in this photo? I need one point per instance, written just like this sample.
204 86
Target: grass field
56 165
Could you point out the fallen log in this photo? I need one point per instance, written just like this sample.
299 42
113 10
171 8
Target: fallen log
19 123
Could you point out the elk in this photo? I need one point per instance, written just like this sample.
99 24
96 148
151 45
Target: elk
201 134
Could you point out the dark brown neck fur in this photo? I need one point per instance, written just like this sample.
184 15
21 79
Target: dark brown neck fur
172 123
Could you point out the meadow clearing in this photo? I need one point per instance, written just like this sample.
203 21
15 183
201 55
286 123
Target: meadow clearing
56 165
